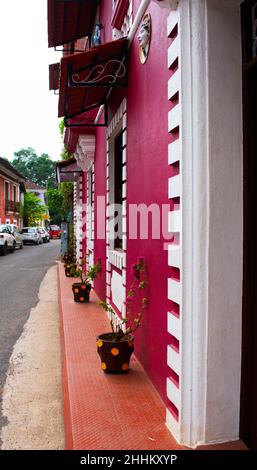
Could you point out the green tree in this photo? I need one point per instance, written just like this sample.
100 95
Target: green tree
33 210
38 168
56 206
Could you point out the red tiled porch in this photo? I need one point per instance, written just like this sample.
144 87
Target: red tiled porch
106 411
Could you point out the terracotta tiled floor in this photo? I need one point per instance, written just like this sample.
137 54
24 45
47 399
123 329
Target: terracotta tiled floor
105 411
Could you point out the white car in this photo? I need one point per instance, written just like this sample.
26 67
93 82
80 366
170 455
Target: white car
7 240
17 235
45 235
31 235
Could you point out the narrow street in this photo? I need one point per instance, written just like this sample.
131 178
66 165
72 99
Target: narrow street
21 274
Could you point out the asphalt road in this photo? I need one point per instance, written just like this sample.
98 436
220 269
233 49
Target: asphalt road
21 274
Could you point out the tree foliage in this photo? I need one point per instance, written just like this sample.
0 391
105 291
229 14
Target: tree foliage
33 210
38 168
56 205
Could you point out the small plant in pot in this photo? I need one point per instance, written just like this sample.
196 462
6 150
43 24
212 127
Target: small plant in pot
68 258
70 269
81 290
115 348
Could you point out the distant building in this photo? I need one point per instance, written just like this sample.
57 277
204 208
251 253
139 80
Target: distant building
12 190
40 193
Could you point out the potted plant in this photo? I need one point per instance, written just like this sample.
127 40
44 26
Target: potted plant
68 258
81 290
70 268
115 348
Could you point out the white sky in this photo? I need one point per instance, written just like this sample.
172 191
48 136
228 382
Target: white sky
28 110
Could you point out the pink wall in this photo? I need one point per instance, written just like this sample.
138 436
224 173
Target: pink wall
147 183
100 189
147 169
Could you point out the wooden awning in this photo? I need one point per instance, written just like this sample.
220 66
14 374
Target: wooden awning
54 73
67 171
86 78
69 20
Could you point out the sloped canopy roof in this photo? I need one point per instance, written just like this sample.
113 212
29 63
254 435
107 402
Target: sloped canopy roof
86 78
67 170
10 171
54 72
69 20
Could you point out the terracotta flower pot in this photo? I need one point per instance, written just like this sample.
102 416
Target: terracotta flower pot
81 292
69 268
68 258
115 355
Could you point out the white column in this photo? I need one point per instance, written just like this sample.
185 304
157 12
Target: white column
212 220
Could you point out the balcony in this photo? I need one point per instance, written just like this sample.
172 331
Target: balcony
12 206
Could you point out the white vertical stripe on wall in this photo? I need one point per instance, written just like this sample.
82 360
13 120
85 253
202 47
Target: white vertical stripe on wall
174 287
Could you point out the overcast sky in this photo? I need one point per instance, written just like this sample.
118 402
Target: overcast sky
28 110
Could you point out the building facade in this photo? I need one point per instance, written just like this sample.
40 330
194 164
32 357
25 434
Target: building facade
11 194
41 194
160 113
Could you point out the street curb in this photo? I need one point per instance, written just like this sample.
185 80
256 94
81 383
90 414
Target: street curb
65 387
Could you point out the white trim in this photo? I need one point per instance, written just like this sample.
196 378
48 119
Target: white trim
173 49
174 118
175 221
173 425
174 86
174 360
117 290
212 221
173 393
174 291
175 256
116 258
85 152
174 152
175 186
174 326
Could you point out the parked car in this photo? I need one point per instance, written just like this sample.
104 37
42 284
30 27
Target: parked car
31 235
7 240
54 231
45 235
17 235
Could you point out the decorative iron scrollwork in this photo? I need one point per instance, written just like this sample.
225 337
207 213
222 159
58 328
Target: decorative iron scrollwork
98 73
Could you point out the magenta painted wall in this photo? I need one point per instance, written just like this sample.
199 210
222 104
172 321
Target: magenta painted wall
147 176
100 190
147 182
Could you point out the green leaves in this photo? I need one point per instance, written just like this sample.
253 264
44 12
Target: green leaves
33 211
136 302
56 205
37 168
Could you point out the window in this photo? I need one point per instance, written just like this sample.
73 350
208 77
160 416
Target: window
118 191
6 191
90 205
15 194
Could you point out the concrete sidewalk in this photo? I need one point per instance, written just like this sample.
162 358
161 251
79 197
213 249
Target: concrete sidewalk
32 396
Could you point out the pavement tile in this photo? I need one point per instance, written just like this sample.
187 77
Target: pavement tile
104 411
107 411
